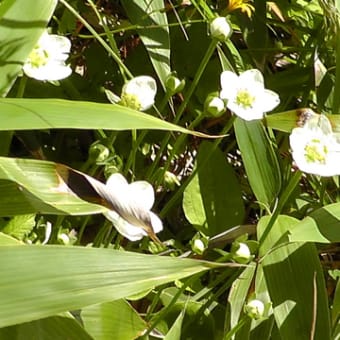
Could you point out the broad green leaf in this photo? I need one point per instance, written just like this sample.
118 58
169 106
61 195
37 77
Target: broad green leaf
212 201
113 320
152 23
29 114
21 24
55 327
322 226
278 233
31 186
41 281
260 160
297 290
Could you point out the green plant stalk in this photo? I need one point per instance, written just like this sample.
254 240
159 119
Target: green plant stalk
137 142
181 189
115 57
233 331
294 181
183 106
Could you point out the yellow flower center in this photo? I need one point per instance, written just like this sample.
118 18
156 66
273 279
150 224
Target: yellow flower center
316 152
38 57
130 100
244 99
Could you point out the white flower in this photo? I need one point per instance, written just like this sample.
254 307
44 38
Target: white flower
47 60
246 94
139 93
220 29
132 216
255 309
315 148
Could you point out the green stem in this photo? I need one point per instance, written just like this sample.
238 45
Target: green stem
183 106
233 331
99 38
294 181
22 87
181 189
141 136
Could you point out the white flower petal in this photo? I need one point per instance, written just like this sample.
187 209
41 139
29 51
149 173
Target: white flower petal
117 182
251 76
270 100
229 83
126 229
156 223
142 193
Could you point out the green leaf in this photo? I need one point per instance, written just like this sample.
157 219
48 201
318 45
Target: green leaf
212 201
175 330
55 327
259 160
320 226
113 320
238 294
278 233
31 186
21 24
19 226
6 240
154 32
30 114
41 281
297 290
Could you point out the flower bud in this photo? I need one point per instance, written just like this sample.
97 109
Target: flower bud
214 106
171 180
173 84
241 252
220 29
254 309
198 246
98 153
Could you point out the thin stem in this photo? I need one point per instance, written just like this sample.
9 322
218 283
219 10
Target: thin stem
181 189
294 181
99 38
184 104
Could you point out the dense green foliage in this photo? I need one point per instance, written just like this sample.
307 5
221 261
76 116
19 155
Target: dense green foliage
240 221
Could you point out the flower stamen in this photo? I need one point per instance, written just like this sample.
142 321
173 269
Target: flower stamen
244 99
316 152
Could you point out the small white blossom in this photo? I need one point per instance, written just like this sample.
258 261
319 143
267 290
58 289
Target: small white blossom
220 29
139 93
246 95
214 106
133 202
254 309
315 148
47 59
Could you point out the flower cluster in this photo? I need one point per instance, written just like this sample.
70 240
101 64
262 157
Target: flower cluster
315 148
47 59
132 216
